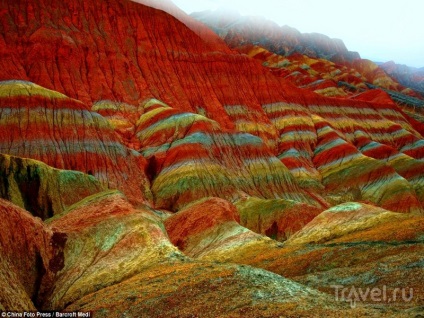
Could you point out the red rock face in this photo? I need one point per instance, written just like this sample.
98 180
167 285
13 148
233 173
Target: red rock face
25 247
123 47
190 227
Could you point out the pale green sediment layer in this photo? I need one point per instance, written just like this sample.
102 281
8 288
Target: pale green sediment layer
341 220
41 189
16 88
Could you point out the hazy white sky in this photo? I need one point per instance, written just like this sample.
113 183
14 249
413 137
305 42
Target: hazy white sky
379 30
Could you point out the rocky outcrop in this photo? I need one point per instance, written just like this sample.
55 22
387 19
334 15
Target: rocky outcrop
312 61
327 149
278 218
48 126
43 190
342 220
199 234
98 259
180 289
236 106
359 245
25 249
374 180
105 241
151 64
191 158
284 40
408 76
327 78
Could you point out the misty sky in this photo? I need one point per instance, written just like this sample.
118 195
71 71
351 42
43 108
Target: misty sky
379 30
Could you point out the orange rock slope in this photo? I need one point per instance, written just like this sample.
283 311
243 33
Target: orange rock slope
151 150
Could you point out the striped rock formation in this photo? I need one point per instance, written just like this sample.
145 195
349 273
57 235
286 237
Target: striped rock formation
313 61
203 79
149 65
99 259
326 77
321 145
48 126
374 181
171 140
191 157
318 75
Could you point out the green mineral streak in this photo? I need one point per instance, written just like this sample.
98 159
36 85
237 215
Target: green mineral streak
66 117
345 207
154 102
194 138
188 183
72 177
66 177
24 88
243 139
179 121
149 151
112 105
359 167
419 188
107 243
253 207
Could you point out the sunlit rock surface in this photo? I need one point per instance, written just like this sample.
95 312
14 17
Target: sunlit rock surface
43 190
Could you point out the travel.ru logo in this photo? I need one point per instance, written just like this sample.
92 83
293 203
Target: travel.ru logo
354 294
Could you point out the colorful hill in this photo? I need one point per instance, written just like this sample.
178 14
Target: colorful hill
148 168
314 61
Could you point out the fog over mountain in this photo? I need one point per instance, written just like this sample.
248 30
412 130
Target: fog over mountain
379 30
